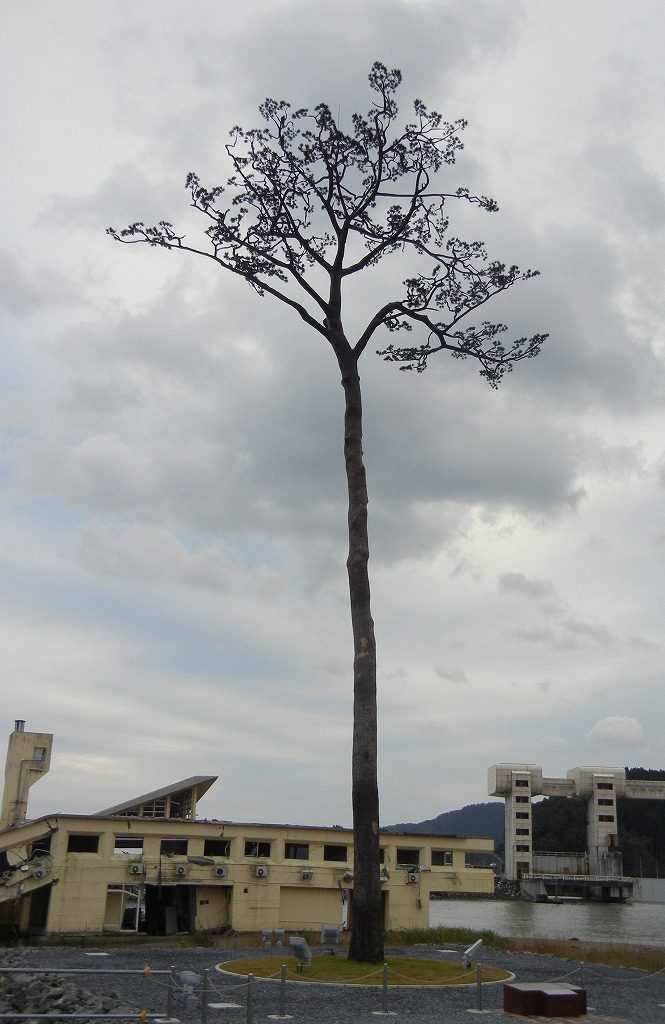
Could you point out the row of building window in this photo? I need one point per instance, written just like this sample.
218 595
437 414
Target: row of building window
332 852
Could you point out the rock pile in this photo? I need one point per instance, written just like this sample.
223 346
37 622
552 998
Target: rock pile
48 993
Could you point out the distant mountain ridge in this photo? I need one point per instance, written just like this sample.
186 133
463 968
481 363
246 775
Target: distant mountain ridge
479 820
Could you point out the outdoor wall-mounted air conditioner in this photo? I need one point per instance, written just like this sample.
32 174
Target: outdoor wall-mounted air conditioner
307 874
220 871
40 871
412 877
181 870
261 871
136 869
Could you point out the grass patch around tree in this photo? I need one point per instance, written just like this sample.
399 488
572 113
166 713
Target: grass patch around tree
337 970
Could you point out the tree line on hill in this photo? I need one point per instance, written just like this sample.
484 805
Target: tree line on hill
559 825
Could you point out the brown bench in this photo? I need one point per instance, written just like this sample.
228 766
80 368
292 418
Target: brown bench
544 999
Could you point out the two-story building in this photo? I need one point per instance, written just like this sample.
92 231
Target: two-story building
150 865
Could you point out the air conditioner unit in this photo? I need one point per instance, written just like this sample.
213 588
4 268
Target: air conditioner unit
412 877
181 870
307 874
261 871
220 871
40 872
136 869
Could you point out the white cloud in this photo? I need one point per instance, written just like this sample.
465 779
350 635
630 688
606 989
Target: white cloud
617 730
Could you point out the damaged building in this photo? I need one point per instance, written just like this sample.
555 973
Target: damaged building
150 865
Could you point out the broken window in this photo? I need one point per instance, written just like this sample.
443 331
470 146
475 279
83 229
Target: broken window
442 858
335 852
296 851
257 848
82 844
217 848
129 846
173 847
407 857
154 809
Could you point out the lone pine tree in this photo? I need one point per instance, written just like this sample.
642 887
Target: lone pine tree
308 207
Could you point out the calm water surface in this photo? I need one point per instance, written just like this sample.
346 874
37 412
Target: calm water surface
634 923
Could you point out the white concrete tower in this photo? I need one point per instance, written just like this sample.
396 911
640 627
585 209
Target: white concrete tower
600 787
517 784
28 759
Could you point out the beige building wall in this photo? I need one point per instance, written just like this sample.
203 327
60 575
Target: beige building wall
258 877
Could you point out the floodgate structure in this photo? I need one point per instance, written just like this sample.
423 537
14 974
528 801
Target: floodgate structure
150 865
595 875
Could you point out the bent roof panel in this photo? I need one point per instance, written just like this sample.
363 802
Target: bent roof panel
201 783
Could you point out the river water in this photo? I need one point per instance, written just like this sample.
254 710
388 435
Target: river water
629 923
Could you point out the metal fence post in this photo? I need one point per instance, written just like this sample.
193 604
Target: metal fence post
250 999
479 987
282 991
204 996
385 988
170 989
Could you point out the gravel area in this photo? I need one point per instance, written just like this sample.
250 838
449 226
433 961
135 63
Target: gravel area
613 994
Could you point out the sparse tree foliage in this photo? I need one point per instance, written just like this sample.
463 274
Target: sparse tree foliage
307 207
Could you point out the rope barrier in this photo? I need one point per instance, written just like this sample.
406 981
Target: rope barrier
623 981
424 981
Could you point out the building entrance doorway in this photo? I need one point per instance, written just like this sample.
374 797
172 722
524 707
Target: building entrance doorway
169 909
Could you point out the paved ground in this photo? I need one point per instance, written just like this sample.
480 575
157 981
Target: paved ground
614 995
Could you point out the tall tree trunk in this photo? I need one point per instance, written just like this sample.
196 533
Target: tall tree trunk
367 916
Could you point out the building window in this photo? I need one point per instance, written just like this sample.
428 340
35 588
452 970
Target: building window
155 809
522 848
173 847
522 815
128 846
39 754
605 817
521 782
217 848
382 855
604 802
521 799
82 844
605 785
296 851
442 858
332 851
521 831
407 857
254 848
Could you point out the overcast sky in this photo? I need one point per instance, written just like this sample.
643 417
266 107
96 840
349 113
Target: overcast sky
173 508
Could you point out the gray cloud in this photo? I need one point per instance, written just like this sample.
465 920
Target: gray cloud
173 517
517 583
570 634
451 675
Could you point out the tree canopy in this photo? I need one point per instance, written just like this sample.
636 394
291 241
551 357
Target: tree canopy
309 205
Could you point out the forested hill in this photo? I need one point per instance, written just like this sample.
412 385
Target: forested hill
473 820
